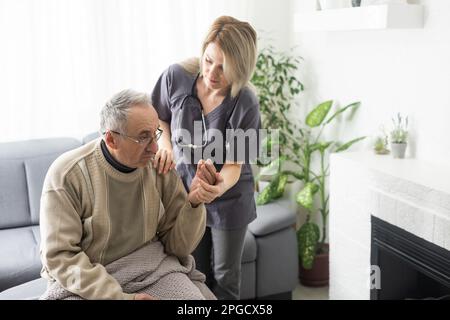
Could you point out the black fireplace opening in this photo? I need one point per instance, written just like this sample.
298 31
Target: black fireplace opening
409 267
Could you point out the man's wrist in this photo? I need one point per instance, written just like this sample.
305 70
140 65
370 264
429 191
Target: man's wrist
194 205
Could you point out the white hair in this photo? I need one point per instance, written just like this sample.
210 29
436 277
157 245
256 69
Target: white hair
114 113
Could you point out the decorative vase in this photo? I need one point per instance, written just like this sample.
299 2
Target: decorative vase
398 150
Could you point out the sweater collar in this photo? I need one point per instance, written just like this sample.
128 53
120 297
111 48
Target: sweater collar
113 162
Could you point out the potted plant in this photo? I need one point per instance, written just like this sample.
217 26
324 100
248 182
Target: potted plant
277 87
381 143
298 145
399 136
307 143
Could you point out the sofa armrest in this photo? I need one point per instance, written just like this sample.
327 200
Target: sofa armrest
273 217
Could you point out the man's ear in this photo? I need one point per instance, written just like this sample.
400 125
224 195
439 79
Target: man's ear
110 140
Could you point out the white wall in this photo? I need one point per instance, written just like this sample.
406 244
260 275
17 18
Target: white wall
62 59
272 20
389 71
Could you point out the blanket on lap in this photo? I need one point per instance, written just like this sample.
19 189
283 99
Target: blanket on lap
149 270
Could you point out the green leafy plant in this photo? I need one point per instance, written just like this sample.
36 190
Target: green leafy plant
277 86
309 143
381 142
380 145
399 134
298 144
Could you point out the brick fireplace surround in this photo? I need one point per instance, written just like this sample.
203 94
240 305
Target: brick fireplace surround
408 193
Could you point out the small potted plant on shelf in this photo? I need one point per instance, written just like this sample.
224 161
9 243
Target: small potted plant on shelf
381 143
399 136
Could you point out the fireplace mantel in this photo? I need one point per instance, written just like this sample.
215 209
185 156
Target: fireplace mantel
408 193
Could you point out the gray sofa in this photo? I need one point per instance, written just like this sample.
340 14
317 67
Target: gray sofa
269 266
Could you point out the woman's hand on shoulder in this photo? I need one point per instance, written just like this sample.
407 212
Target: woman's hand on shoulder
164 161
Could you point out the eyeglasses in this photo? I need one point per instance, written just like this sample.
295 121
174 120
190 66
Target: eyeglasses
142 141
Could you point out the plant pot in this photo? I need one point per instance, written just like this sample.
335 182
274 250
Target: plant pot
319 274
398 150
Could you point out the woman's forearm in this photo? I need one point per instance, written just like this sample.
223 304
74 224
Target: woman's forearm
230 173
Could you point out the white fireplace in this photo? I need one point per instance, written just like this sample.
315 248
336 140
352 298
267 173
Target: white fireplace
408 193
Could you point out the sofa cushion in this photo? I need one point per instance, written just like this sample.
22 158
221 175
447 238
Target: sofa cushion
23 166
36 169
14 206
273 217
277 264
36 148
19 256
248 280
31 290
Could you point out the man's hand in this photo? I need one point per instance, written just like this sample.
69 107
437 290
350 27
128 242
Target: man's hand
210 192
207 185
163 161
144 296
206 172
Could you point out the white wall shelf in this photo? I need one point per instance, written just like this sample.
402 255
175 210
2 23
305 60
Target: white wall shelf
389 16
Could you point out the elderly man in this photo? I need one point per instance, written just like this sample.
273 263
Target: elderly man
104 201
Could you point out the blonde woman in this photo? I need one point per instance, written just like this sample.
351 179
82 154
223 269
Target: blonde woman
195 100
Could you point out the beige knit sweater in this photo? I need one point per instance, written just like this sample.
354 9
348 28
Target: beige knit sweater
92 214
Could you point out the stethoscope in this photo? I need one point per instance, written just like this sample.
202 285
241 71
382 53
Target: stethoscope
205 138
179 140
